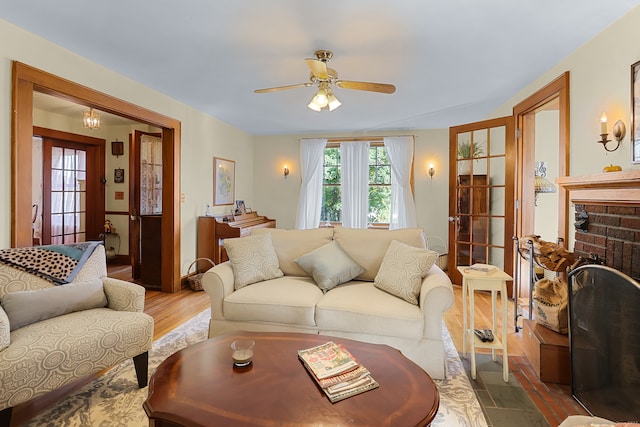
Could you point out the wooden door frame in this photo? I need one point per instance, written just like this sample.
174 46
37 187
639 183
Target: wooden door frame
95 192
526 156
26 80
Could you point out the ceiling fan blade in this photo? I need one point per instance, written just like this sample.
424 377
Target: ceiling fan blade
371 87
318 68
274 89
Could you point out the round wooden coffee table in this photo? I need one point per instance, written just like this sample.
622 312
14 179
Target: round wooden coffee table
198 386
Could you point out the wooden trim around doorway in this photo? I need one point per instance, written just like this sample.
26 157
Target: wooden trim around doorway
25 81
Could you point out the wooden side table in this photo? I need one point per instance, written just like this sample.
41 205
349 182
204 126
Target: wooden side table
496 281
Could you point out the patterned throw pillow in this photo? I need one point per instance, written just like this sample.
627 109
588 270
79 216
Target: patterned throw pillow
253 259
403 269
329 266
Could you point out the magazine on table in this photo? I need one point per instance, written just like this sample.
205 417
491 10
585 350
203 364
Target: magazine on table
336 371
481 269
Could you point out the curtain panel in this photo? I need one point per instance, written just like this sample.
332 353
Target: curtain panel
355 184
310 200
403 208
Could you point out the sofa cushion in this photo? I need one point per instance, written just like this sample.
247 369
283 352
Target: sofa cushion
27 307
289 300
368 247
329 266
253 259
360 307
292 244
403 269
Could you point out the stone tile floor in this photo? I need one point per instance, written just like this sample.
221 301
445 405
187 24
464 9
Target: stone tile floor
524 401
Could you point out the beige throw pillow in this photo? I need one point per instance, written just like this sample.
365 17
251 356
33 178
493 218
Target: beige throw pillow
329 266
402 270
26 307
253 259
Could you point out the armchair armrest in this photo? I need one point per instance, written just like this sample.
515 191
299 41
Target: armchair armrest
218 282
436 297
123 296
5 330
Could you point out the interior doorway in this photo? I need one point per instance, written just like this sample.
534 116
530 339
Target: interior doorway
145 207
67 189
26 80
542 121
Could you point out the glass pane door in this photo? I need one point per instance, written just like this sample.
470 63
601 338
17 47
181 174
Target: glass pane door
481 198
68 195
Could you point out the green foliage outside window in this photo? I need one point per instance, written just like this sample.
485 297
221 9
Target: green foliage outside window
379 186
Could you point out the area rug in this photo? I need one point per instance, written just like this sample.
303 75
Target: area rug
114 399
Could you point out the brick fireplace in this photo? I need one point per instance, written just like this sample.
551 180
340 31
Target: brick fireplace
604 303
613 234
607 207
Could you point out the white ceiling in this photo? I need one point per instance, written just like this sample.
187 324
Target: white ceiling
452 61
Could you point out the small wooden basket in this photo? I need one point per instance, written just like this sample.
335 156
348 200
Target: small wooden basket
195 279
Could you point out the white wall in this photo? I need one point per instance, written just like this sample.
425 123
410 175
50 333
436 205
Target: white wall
277 197
600 80
546 140
203 136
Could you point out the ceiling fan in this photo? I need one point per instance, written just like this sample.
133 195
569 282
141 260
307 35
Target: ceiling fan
325 78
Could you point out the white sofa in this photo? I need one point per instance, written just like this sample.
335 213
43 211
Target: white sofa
357 309
51 336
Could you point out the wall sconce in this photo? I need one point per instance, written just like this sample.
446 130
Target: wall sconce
432 171
286 171
619 131
117 148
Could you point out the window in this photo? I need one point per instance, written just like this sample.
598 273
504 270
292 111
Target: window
379 185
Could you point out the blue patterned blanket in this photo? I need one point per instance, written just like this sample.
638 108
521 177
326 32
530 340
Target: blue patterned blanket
58 264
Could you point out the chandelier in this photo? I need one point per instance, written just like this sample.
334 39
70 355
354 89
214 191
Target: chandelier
91 119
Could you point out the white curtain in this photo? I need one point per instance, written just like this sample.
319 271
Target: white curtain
355 183
403 207
310 200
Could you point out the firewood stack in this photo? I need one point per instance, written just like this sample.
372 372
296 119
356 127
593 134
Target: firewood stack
548 255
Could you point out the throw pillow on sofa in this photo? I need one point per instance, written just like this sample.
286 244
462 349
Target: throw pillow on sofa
402 270
26 307
253 259
329 265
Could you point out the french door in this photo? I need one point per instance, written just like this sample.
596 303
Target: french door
481 194
72 203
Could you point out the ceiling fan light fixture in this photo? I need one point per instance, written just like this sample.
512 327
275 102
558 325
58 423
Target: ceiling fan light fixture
321 99
333 102
313 105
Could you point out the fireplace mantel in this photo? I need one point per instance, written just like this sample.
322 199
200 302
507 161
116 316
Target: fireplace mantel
611 188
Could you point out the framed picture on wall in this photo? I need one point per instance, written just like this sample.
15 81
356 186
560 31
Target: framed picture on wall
635 112
118 176
223 181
